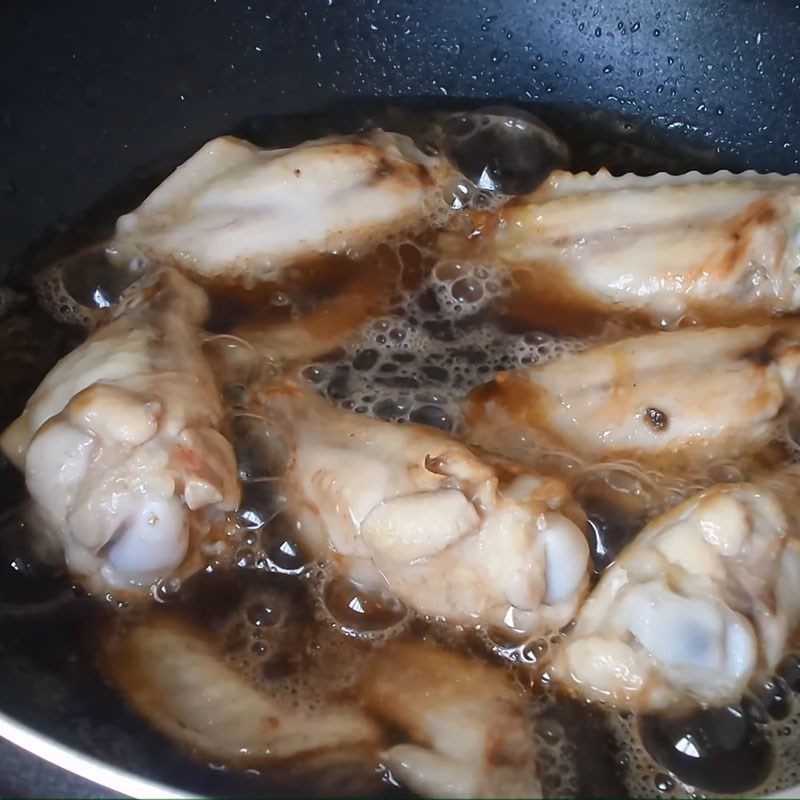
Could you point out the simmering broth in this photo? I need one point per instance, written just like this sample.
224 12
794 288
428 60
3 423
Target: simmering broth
407 332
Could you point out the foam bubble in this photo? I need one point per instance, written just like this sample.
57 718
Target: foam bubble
358 612
50 291
645 777
418 365
82 288
502 150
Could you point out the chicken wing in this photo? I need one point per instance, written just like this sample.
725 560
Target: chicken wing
122 448
177 680
236 211
411 511
694 392
465 720
702 599
330 325
711 245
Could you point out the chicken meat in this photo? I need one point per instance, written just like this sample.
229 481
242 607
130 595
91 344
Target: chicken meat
701 601
468 735
331 324
177 679
684 394
236 211
410 511
122 445
714 246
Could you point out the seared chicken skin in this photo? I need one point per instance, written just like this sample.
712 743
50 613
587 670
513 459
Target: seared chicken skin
692 393
702 600
122 448
715 246
234 210
410 511
465 721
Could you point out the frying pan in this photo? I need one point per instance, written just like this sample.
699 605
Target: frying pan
98 95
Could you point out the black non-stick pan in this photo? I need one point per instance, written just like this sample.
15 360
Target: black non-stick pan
102 94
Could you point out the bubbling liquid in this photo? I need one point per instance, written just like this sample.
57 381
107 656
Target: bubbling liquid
303 633
418 364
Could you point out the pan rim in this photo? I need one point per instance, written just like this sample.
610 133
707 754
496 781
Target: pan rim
85 766
127 783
